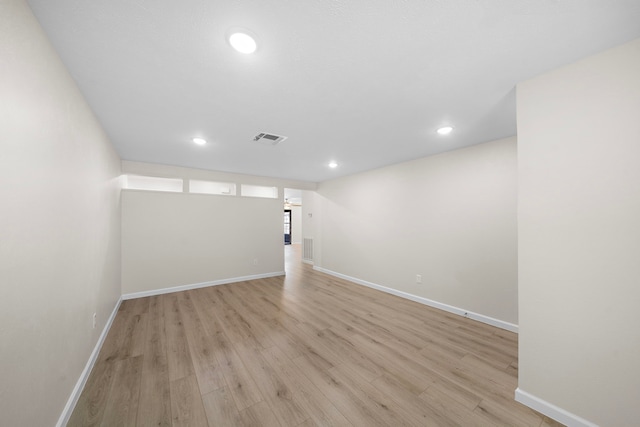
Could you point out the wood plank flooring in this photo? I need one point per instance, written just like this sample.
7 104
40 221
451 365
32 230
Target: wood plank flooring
302 350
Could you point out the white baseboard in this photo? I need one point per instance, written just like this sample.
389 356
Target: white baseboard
84 376
551 411
449 308
199 285
307 261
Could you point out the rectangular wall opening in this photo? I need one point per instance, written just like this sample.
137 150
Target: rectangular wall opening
259 191
152 183
212 187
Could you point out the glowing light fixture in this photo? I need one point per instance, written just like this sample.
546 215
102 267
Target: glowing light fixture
243 42
445 130
199 141
333 165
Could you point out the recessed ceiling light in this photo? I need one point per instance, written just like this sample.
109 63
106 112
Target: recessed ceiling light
199 141
445 130
333 165
242 42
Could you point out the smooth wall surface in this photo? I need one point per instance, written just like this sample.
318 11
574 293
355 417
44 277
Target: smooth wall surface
296 224
311 223
175 239
59 225
579 236
450 218
178 239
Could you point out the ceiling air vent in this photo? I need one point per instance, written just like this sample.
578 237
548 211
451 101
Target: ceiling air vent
268 138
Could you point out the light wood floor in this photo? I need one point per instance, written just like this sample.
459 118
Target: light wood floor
302 350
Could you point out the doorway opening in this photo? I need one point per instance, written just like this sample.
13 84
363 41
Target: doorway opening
292 225
287 226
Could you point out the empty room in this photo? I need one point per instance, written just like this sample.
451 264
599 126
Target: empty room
315 213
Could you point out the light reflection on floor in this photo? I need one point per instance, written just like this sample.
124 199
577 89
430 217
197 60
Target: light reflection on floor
292 262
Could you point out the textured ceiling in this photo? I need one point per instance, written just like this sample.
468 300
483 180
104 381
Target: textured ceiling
362 82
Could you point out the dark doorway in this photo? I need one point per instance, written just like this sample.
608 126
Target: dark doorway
287 226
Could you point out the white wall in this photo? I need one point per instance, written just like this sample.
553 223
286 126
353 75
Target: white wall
175 239
178 239
296 224
59 225
311 222
579 236
450 218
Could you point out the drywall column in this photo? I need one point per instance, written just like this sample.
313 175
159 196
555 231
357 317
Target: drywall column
579 239
311 223
296 224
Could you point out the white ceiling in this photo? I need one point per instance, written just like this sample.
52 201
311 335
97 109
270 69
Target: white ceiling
362 82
